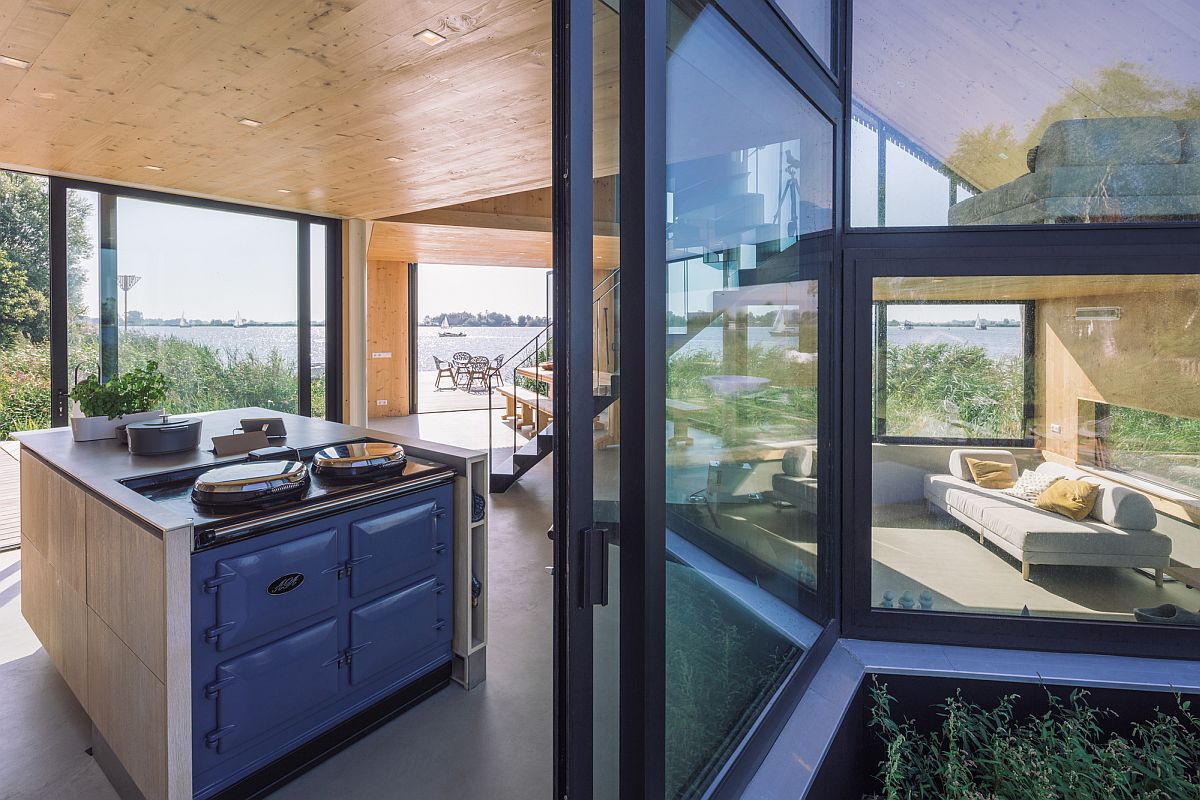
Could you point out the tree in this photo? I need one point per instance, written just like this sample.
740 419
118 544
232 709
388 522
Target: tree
20 306
25 238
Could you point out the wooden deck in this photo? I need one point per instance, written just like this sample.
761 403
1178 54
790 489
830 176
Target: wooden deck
10 495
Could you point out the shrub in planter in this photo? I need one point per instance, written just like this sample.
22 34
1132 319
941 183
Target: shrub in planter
132 395
1071 752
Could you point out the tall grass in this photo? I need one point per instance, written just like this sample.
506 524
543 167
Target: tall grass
951 390
199 378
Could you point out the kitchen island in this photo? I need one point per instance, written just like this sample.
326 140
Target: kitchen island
198 681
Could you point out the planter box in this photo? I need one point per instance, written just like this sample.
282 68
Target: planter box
89 429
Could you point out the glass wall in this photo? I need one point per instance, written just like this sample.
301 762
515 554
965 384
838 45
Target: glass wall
210 295
1050 450
25 302
749 199
1014 113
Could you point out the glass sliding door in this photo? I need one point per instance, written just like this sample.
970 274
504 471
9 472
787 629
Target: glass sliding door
749 200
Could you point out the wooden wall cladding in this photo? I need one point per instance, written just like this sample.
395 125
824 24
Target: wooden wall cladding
387 333
1147 359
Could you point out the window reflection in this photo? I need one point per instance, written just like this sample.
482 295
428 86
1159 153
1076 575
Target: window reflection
1013 113
1089 508
749 210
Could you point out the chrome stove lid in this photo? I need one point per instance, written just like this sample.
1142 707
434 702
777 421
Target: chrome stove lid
360 459
250 482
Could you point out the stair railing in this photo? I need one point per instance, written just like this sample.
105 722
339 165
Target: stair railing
524 367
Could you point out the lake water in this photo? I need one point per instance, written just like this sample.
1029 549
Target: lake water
490 342
257 339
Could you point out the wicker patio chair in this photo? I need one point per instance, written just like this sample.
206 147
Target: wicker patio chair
494 370
477 373
444 370
459 362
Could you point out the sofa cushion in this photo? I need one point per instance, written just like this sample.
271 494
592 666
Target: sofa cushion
1116 140
991 474
800 462
1116 505
967 498
1032 483
960 469
1035 531
800 492
1072 499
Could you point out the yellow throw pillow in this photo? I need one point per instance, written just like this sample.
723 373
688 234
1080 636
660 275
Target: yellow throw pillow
1072 499
991 474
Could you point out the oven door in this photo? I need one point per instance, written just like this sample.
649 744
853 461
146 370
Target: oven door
260 691
399 629
271 588
403 543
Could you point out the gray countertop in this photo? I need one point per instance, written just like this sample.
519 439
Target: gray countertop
99 465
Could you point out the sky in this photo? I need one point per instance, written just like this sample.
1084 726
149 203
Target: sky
206 264
938 312
443 288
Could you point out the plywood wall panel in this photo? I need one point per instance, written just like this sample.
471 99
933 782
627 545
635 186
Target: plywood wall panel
387 332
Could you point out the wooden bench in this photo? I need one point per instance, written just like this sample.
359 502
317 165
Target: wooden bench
527 408
677 412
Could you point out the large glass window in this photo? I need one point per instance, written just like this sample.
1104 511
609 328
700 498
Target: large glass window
749 199
1011 113
1095 512
952 371
211 295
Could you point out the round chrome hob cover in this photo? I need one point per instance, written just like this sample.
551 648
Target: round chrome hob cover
360 459
251 482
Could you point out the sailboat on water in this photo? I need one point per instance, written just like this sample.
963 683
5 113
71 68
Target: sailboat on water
445 331
183 321
238 322
980 323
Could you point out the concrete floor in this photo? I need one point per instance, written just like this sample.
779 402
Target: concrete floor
493 742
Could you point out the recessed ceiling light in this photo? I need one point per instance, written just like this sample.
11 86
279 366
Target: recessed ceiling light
249 123
152 168
429 37
284 191
393 159
9 61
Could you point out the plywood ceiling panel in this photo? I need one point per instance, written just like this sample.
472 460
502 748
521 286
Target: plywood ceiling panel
427 243
1051 287
340 85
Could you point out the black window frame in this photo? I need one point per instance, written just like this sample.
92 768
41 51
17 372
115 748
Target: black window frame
1029 389
59 187
952 253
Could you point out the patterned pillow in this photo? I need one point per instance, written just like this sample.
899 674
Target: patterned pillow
1031 484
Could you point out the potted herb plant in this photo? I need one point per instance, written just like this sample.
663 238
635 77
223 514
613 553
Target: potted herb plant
133 396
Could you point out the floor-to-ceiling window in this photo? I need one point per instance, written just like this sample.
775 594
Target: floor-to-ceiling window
208 293
749 224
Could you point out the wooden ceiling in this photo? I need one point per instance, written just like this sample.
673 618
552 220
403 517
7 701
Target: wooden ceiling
340 86
974 289
509 231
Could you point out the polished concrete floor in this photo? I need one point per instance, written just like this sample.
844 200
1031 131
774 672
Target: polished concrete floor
493 742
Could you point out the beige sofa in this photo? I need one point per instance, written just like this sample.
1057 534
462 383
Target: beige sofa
797 483
1118 533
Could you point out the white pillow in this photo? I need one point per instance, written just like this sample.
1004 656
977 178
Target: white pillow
1031 484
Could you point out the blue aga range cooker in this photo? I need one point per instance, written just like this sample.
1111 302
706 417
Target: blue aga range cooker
315 614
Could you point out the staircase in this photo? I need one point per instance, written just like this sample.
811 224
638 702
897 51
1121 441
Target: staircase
606 346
